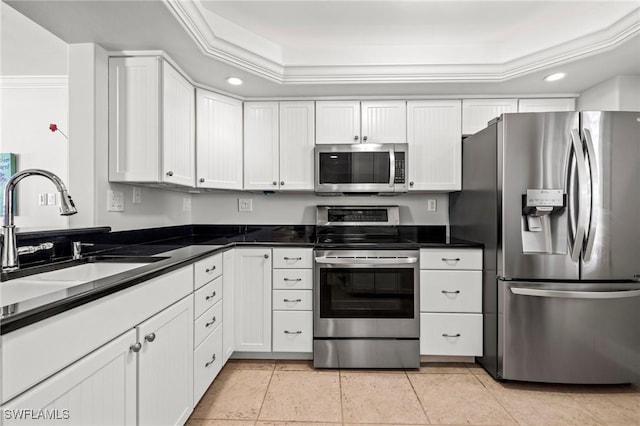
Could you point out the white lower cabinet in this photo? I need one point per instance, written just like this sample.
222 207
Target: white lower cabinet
99 389
451 302
165 366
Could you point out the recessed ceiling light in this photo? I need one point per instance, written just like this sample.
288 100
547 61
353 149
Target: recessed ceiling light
555 76
234 81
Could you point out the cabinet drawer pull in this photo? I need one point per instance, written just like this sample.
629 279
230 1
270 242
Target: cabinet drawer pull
135 347
169 173
292 279
292 332
292 301
450 335
211 296
356 137
209 323
451 260
213 268
213 359
150 337
450 292
292 258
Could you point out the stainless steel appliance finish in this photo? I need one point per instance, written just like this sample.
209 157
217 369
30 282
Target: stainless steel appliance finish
553 196
361 168
366 310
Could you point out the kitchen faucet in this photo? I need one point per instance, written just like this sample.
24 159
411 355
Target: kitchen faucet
10 260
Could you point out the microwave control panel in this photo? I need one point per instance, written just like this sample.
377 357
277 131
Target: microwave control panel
400 168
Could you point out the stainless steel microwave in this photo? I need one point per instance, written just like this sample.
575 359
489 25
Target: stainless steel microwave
361 168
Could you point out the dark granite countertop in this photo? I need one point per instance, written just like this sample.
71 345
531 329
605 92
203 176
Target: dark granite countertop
176 246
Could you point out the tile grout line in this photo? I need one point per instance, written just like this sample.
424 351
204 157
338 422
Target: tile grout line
496 398
265 393
424 410
341 404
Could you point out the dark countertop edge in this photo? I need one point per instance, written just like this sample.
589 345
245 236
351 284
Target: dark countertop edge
43 312
62 232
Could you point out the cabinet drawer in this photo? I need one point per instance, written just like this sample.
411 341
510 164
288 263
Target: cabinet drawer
292 331
207 269
207 363
292 300
451 259
451 291
451 334
293 258
207 296
207 322
293 279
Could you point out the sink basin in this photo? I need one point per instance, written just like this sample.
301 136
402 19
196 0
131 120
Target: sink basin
83 273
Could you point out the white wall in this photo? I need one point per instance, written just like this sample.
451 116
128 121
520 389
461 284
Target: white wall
283 208
620 93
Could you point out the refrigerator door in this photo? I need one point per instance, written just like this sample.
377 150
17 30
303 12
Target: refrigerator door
537 157
569 332
612 243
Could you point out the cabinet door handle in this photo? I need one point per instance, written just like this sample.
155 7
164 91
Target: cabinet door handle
411 183
281 183
364 138
450 292
211 296
213 359
210 323
292 258
275 183
135 347
450 335
169 173
150 337
266 256
213 268
292 332
201 180
356 137
292 279
292 301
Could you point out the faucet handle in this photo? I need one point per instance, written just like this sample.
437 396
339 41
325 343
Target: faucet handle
77 248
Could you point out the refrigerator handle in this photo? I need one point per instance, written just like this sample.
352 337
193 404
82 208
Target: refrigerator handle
578 238
620 294
593 194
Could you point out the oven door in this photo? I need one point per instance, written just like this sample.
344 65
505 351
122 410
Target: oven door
365 294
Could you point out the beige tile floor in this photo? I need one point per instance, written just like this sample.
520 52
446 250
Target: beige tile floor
254 392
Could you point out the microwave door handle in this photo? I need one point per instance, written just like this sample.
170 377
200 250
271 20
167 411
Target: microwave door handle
392 167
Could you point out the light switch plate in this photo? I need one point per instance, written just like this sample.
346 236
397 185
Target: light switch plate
51 199
245 204
431 205
137 195
115 201
42 199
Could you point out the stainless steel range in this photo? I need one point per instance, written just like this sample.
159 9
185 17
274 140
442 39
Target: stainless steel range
366 290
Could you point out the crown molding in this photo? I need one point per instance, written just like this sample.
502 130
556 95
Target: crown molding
190 15
34 82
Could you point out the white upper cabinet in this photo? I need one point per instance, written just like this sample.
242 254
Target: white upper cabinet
151 123
476 113
546 105
218 141
278 146
337 122
434 137
296 145
384 122
261 156
356 122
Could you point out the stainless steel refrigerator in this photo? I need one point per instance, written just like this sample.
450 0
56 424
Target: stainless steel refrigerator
555 198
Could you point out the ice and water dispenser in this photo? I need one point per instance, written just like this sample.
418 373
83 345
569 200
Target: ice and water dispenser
544 221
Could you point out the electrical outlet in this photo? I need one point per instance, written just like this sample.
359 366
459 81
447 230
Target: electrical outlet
115 201
245 204
431 205
186 204
137 195
51 199
42 199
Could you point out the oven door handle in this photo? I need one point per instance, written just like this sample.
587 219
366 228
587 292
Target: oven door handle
366 261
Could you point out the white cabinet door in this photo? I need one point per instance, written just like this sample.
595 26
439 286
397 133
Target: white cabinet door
228 284
218 141
384 122
546 105
261 154
252 300
134 119
99 389
337 122
476 113
296 145
435 145
178 128
165 366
